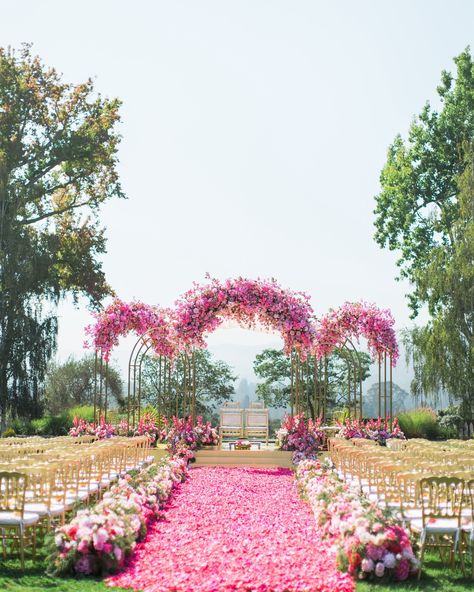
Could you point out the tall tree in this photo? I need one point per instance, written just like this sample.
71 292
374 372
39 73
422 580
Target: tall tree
214 382
425 211
58 159
72 383
274 368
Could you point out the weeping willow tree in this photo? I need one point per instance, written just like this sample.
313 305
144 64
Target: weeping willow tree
425 212
58 157
442 352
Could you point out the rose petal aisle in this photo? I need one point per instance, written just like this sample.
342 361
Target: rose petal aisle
235 529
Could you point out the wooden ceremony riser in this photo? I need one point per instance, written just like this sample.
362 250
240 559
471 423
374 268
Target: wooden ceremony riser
238 458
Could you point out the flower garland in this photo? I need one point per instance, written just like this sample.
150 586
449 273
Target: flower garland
250 302
370 543
202 308
99 540
357 319
304 438
120 318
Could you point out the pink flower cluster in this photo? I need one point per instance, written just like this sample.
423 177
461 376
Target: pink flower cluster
148 426
102 430
120 318
303 437
250 302
355 320
206 434
378 430
182 437
202 308
235 529
370 543
99 540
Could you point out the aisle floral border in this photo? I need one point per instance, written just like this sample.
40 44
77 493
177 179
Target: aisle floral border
98 540
370 542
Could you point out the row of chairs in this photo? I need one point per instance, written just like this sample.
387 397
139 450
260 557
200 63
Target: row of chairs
38 490
244 423
429 486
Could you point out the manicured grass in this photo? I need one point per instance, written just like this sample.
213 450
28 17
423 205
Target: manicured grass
33 579
436 578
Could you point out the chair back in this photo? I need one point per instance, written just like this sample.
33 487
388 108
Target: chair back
257 405
441 497
12 492
232 404
256 418
231 418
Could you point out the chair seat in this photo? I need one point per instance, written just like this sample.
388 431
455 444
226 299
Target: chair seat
439 526
413 513
13 519
42 509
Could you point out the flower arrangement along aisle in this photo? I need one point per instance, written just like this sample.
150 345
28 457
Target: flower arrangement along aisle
99 539
304 438
206 434
183 438
370 542
377 430
84 428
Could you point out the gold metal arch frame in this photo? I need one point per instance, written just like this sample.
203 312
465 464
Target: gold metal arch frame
176 384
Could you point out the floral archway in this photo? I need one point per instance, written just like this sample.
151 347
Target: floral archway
202 309
352 321
174 334
121 318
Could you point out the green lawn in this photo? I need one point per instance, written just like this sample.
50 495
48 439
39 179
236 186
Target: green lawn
34 580
435 578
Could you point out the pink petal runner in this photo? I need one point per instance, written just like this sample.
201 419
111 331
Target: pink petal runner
235 529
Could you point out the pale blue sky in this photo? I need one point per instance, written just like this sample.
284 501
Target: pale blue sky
253 134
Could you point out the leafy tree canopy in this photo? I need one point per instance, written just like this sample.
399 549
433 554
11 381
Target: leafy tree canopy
425 211
274 368
214 383
72 384
58 164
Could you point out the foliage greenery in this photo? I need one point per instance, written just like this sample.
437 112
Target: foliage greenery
58 164
419 423
214 380
71 384
425 211
274 368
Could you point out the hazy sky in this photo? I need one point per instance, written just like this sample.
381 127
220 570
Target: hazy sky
253 134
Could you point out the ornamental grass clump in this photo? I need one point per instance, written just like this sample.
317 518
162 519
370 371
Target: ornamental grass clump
419 423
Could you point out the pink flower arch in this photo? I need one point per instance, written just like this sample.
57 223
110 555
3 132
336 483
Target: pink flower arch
120 318
202 309
355 320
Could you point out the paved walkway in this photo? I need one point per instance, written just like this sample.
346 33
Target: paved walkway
235 529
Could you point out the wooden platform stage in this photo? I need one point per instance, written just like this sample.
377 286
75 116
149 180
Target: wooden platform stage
266 457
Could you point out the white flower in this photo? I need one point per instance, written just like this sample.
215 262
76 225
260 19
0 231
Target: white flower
367 565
